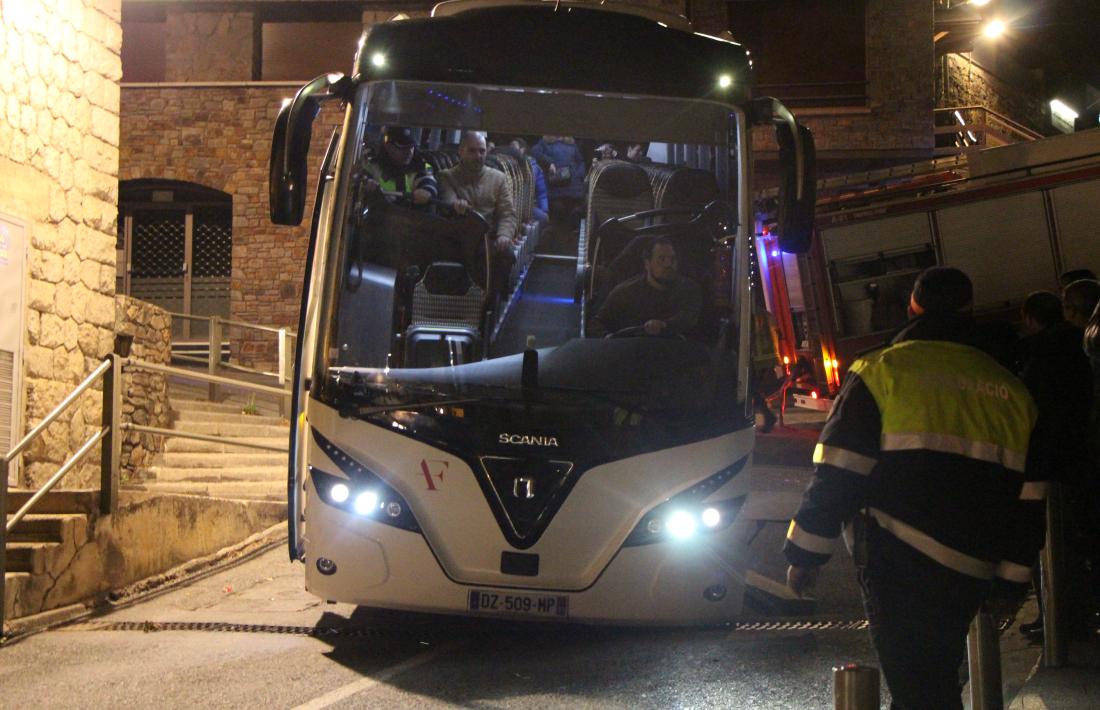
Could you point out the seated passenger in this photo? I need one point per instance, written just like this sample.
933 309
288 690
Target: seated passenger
398 168
472 185
659 301
541 210
636 153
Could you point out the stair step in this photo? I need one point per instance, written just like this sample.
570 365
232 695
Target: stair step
215 460
190 415
75 501
239 490
30 556
13 588
234 429
44 528
202 474
197 446
185 405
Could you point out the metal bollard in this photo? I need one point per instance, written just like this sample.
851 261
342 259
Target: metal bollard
983 646
1051 563
855 687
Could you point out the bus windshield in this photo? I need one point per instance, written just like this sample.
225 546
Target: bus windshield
621 298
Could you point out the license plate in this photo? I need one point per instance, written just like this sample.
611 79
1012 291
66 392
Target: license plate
543 605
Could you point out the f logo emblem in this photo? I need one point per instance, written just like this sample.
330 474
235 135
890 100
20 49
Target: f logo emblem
523 487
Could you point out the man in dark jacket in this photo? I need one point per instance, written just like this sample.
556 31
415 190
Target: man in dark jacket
658 302
1056 371
924 461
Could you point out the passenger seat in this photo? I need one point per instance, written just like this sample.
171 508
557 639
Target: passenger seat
445 326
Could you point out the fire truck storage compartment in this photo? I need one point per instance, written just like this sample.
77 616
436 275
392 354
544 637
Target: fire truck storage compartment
1077 216
1003 244
872 266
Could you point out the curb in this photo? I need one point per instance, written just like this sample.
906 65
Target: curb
256 544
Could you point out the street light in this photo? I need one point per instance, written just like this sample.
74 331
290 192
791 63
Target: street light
993 29
1062 116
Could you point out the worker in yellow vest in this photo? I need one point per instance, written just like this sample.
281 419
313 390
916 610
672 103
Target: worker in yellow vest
924 464
398 169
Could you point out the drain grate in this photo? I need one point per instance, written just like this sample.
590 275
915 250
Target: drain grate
361 632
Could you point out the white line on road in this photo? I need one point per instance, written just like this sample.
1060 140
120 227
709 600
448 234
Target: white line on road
334 696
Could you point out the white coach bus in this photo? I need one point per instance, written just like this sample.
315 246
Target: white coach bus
465 445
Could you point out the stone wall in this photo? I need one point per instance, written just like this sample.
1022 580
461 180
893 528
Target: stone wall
961 82
896 125
208 46
220 137
144 394
59 129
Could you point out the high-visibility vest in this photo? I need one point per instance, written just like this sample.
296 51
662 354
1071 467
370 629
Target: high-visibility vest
374 169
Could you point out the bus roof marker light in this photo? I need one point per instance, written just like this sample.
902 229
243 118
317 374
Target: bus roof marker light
378 60
725 81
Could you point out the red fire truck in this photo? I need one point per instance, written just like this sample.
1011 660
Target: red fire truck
1012 217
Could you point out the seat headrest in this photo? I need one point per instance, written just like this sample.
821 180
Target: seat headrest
446 278
690 187
622 179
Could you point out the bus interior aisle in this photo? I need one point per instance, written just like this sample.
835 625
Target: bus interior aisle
542 305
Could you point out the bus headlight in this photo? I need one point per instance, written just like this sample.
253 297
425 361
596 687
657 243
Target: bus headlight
360 490
681 524
366 503
685 515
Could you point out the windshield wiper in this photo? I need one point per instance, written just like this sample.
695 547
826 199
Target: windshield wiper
368 410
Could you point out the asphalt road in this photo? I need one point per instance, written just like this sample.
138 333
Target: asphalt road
250 636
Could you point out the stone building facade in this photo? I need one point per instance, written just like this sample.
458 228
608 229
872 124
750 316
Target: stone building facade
220 136
59 130
963 81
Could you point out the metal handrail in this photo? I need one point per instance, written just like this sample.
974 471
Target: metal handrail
132 364
70 463
1018 127
236 323
57 411
176 433
253 326
108 436
214 355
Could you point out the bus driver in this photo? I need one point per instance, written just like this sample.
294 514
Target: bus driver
659 301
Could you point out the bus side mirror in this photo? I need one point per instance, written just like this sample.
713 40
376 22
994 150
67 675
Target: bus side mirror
797 190
290 146
797 172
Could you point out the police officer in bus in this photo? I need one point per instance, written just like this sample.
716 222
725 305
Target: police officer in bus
925 461
399 169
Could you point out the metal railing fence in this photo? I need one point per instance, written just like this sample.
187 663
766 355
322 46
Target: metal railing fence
216 331
109 436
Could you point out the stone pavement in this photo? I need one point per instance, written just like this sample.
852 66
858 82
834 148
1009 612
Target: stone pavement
1075 686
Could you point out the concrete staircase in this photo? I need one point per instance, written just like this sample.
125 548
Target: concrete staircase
42 545
220 470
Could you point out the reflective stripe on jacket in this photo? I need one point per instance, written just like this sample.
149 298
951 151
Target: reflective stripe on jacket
415 178
931 437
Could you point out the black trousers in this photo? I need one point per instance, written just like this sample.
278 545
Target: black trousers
919 613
